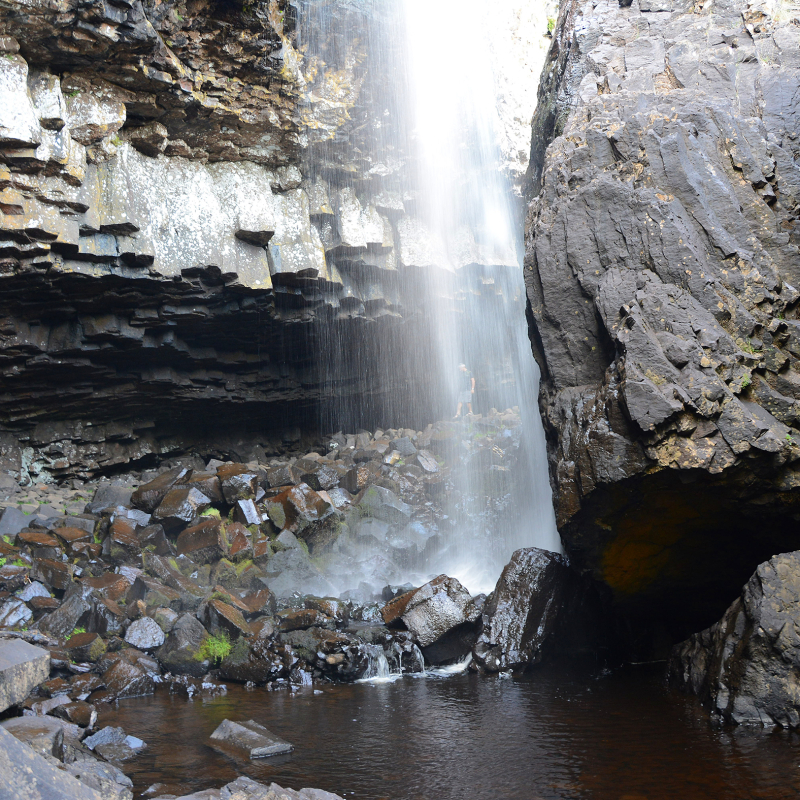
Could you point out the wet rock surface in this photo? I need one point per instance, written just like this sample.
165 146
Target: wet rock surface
522 617
180 190
746 667
661 254
249 739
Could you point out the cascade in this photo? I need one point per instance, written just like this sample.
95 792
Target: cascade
377 669
447 200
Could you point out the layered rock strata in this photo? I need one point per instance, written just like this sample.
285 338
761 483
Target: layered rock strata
662 272
207 214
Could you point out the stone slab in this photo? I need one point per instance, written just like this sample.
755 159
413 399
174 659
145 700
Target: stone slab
22 666
26 774
249 739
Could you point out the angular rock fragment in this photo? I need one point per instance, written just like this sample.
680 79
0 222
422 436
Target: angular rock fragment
238 482
14 614
203 543
144 634
440 617
149 496
22 666
179 507
248 739
181 652
86 646
44 735
522 616
217 616
127 680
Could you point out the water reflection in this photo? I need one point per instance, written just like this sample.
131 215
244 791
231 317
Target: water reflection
548 736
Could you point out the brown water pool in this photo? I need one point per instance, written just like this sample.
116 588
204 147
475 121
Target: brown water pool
550 735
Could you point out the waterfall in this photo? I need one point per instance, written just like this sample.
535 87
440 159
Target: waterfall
429 133
377 669
468 209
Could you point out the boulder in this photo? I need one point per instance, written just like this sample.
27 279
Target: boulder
13 521
72 612
746 667
203 543
44 735
107 781
181 652
127 680
238 482
381 503
144 634
262 601
217 615
78 712
293 619
55 574
149 496
440 618
14 614
85 647
27 775
521 618
248 739
179 507
22 667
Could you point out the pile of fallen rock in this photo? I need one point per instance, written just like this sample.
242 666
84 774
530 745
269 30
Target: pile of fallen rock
200 575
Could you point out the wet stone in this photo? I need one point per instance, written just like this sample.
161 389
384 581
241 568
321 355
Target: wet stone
246 513
301 618
203 543
44 735
248 739
149 496
78 712
14 614
127 680
217 615
238 482
55 574
145 634
180 506
110 585
22 666
85 647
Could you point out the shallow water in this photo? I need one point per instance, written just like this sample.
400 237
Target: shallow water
543 736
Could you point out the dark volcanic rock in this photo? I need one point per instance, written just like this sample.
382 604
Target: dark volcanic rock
521 617
662 273
149 496
181 653
442 620
203 543
746 667
127 680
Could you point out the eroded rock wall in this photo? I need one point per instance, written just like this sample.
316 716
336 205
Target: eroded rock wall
661 265
208 224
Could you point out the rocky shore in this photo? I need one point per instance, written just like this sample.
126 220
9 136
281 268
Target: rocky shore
184 578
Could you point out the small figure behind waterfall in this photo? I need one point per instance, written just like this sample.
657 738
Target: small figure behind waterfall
466 388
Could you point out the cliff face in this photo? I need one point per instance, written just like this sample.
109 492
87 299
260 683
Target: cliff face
661 265
208 228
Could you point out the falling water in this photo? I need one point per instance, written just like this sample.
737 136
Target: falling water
377 669
428 124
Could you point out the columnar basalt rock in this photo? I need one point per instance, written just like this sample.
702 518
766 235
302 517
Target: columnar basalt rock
662 272
199 205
